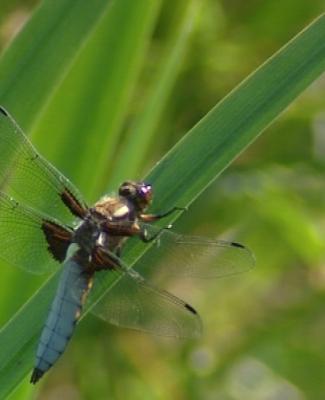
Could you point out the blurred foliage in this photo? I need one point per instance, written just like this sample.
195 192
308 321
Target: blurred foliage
264 331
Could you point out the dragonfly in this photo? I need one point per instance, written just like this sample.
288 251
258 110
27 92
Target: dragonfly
45 223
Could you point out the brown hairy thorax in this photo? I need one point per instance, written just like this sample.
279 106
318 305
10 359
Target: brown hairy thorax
119 212
113 208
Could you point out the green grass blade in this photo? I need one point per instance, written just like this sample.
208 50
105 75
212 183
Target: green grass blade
30 68
102 81
141 132
239 118
20 340
191 165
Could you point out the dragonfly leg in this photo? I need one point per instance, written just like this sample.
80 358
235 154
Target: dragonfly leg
106 260
146 238
118 250
156 217
130 228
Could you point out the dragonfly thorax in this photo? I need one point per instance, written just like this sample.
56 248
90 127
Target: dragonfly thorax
114 208
87 233
105 224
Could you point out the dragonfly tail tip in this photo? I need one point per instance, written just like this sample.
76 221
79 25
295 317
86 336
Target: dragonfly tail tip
36 375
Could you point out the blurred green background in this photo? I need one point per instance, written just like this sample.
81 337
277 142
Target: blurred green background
264 330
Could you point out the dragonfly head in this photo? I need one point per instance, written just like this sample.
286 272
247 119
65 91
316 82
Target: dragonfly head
138 193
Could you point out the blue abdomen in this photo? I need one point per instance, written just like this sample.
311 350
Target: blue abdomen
65 311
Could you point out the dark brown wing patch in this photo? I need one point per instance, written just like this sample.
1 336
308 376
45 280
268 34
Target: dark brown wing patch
73 204
58 239
101 260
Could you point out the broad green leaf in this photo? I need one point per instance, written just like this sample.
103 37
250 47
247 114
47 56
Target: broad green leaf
100 82
239 118
191 165
30 69
141 132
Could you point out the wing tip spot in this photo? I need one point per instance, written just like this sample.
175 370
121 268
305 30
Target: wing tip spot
4 111
250 254
190 308
236 244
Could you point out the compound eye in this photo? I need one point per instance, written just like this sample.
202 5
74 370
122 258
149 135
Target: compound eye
146 192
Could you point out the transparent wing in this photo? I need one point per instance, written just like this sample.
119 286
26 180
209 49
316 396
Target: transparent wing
29 177
194 256
134 303
23 241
